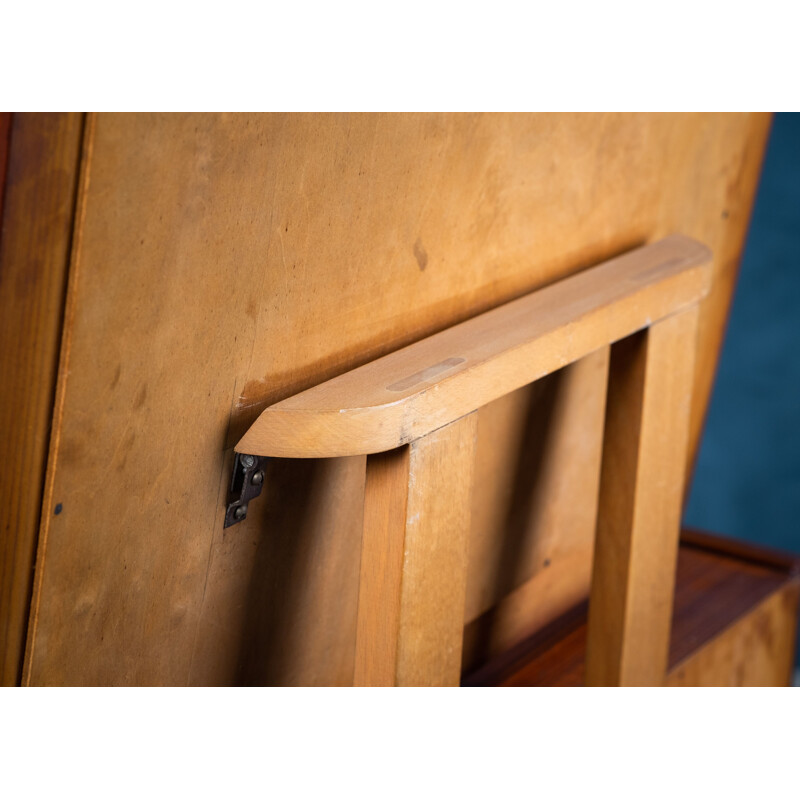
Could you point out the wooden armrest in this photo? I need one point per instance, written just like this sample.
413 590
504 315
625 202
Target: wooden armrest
410 393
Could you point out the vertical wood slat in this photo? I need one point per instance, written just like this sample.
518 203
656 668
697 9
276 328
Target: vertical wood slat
414 560
641 487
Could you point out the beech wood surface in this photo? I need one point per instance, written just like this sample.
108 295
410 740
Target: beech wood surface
224 263
407 394
641 493
414 561
37 215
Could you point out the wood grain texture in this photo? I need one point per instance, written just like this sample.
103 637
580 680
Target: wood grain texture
414 561
413 391
734 623
641 491
296 560
380 585
757 650
228 262
533 522
37 213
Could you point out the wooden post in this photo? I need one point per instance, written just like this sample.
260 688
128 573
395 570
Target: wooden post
414 560
641 490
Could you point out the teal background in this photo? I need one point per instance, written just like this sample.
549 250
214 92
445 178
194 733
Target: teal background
746 482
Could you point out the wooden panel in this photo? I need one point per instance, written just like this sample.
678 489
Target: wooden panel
734 623
413 391
228 262
414 561
37 212
641 487
280 597
533 525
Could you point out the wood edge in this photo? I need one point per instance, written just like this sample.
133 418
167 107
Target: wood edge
41 154
5 148
382 469
773 558
504 665
791 585
391 434
70 304
694 444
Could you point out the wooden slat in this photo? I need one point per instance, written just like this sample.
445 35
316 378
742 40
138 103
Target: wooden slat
409 393
641 487
385 506
414 561
37 224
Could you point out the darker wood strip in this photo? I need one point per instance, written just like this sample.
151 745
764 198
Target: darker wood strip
37 220
5 128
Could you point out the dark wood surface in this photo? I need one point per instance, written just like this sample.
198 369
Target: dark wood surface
719 581
749 551
39 189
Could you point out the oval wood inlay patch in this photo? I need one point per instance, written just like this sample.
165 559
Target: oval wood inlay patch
425 374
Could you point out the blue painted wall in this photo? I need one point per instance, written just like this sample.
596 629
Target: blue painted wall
747 478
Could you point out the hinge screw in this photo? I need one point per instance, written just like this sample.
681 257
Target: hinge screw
247 461
257 478
240 512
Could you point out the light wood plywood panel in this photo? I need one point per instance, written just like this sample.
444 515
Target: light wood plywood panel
227 262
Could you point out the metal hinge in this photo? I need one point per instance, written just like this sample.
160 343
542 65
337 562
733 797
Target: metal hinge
246 483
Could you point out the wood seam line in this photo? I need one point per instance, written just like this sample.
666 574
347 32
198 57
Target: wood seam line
70 304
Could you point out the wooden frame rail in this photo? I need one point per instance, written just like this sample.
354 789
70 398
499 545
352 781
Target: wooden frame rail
412 413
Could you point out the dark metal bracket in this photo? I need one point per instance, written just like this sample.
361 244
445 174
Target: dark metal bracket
246 483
